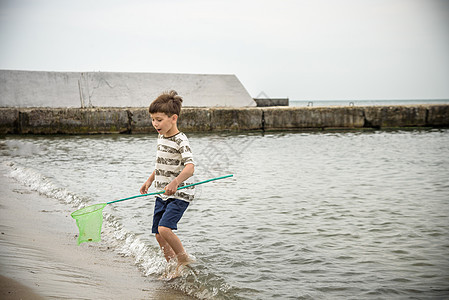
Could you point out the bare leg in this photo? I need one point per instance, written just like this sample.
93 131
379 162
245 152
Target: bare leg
175 243
168 251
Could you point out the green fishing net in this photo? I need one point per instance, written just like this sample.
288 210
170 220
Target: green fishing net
89 220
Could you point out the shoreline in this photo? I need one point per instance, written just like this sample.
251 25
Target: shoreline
38 250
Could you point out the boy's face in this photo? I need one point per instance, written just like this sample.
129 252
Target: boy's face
164 124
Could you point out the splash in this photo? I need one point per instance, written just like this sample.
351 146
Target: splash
199 282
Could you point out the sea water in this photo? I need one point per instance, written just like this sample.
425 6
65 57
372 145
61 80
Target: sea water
342 215
356 102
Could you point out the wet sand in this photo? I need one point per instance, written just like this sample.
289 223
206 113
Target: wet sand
39 256
11 289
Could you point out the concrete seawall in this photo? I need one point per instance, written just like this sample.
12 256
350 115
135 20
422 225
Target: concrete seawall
214 119
117 89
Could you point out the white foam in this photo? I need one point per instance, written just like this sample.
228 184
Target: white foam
124 242
148 259
39 183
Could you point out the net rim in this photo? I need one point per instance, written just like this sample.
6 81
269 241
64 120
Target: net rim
88 210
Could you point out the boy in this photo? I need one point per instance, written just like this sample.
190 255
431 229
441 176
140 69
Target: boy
174 165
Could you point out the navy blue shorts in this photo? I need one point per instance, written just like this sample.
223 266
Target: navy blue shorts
168 213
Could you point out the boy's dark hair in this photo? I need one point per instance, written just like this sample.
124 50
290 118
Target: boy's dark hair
168 102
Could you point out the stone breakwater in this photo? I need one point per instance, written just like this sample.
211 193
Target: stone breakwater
215 119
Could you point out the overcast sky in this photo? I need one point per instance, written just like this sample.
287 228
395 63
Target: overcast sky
304 50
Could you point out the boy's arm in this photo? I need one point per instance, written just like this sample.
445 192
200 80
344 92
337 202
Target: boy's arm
187 172
147 184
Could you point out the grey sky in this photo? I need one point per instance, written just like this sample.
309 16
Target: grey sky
318 49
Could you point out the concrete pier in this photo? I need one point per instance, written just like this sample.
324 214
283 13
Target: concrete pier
215 119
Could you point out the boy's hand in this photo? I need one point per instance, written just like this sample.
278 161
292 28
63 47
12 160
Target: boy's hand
171 188
145 187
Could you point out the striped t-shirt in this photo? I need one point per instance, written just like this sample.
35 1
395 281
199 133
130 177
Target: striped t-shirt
173 153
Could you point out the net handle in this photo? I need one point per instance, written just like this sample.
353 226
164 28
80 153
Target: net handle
161 192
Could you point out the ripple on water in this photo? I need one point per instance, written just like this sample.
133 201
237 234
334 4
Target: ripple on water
306 215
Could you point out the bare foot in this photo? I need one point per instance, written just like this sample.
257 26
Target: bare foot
169 269
183 261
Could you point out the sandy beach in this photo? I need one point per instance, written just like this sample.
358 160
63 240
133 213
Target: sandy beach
40 259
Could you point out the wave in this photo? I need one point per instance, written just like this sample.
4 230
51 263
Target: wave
198 282
41 184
